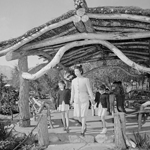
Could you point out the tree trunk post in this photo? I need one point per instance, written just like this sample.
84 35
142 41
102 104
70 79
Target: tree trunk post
43 137
140 118
23 94
119 129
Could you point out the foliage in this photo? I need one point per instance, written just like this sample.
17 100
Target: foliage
2 131
9 99
104 75
6 143
142 142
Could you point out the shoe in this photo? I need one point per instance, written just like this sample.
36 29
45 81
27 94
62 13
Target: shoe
104 131
83 133
50 127
67 130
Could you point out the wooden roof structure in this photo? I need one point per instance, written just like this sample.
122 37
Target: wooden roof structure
87 35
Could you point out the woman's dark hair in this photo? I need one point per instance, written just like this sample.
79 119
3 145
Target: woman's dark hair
79 67
102 87
62 82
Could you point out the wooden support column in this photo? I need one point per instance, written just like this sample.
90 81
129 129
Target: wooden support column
43 137
119 130
140 118
23 94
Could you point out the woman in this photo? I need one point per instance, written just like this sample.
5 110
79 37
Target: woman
63 104
81 93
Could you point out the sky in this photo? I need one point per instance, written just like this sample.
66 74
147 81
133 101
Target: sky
19 16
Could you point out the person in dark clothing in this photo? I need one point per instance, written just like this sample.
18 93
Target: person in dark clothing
108 102
63 101
120 96
97 97
103 105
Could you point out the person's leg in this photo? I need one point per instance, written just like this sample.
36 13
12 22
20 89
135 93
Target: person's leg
67 120
123 102
103 120
83 129
63 120
84 112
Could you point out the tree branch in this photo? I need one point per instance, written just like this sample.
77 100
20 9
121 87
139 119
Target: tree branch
65 48
90 36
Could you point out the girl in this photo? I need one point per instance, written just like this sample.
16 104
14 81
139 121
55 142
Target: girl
81 93
63 104
102 112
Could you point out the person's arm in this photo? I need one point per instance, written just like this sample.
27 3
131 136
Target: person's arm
107 101
67 96
57 100
90 91
72 92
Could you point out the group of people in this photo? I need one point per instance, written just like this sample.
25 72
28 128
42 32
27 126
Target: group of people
105 99
79 96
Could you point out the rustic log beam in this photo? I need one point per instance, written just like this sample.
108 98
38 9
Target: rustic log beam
112 67
79 24
139 18
88 25
82 22
65 48
144 43
37 34
120 23
117 29
17 55
132 47
136 56
63 33
91 36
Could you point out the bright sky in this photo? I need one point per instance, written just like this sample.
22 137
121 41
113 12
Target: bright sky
19 16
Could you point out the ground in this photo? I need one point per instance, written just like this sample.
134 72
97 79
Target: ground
94 127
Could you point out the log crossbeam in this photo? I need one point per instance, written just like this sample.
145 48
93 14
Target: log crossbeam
65 48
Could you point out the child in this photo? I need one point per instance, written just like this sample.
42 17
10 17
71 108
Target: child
102 112
63 104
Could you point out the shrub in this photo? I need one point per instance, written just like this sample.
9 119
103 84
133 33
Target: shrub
142 141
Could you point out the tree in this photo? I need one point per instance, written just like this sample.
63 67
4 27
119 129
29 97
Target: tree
15 82
2 85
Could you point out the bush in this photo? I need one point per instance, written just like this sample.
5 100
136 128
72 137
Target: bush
142 142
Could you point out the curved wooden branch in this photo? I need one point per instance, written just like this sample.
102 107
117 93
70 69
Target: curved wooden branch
18 55
37 34
111 67
91 36
120 16
65 48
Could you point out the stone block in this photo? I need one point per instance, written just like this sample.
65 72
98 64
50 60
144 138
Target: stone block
53 138
81 139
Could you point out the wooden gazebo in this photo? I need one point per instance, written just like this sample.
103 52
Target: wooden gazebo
79 36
